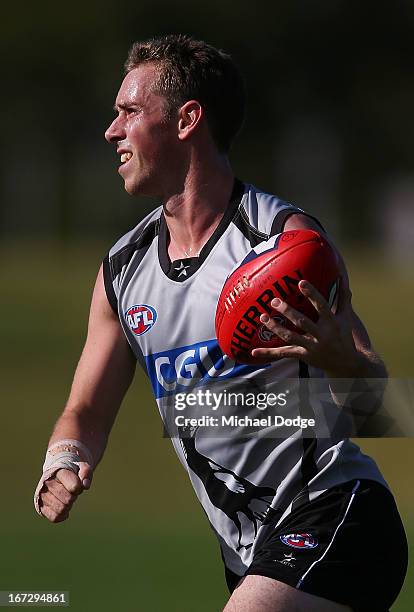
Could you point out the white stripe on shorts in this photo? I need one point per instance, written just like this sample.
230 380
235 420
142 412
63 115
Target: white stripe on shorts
299 584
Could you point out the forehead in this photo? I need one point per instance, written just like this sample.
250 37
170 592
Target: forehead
137 85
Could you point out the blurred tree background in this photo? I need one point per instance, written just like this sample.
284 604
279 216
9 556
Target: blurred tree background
329 127
329 124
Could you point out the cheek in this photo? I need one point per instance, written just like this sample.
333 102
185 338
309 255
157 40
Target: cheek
151 142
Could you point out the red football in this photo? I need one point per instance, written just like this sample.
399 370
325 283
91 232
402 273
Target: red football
273 269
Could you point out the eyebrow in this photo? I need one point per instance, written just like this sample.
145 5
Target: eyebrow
124 106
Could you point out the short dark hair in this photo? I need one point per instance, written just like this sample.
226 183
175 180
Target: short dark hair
192 69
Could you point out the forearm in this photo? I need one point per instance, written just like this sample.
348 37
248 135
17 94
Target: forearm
82 425
359 390
364 363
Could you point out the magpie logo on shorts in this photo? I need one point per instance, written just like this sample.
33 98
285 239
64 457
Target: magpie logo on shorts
141 318
288 560
299 540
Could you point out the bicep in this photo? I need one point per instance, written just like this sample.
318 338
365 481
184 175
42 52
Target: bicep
106 367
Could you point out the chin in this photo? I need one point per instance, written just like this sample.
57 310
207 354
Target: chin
141 188
133 188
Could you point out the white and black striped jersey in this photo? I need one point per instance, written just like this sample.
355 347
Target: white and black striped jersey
167 310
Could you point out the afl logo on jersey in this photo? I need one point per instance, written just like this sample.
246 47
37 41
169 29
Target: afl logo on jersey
140 318
299 540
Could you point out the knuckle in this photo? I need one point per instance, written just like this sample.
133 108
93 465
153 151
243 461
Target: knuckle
58 517
48 513
53 504
52 485
68 503
58 507
45 497
73 487
70 498
64 496
287 336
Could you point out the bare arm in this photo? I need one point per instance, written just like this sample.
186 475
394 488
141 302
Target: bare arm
102 377
367 364
104 373
338 343
343 348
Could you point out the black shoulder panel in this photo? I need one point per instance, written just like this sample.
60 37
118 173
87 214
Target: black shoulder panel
109 288
113 265
281 218
253 235
123 256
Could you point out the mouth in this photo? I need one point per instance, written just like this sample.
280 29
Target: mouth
125 158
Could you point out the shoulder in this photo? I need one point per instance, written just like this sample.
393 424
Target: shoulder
140 237
134 243
143 232
265 214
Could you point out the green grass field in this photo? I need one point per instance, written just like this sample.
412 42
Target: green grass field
138 541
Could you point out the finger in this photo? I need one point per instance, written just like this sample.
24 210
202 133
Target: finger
267 355
85 474
70 481
316 299
52 516
290 337
297 318
59 491
52 502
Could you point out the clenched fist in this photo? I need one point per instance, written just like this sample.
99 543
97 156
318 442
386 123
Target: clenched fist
61 490
67 471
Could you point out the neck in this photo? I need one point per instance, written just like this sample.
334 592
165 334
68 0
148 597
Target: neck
194 211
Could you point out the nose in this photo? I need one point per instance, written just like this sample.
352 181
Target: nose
115 131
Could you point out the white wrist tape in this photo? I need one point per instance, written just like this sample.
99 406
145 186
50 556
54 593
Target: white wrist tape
63 454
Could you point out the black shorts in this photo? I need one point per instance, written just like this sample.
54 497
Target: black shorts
348 545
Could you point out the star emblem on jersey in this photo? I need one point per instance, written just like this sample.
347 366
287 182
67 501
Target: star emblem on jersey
299 540
140 318
182 269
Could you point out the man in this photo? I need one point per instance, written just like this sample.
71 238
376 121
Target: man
297 518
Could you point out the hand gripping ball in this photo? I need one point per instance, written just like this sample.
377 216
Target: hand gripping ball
263 276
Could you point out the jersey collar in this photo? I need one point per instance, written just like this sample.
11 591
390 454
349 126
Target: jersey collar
181 269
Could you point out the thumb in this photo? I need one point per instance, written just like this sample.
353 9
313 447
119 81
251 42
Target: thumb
85 474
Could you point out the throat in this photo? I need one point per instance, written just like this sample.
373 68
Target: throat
176 252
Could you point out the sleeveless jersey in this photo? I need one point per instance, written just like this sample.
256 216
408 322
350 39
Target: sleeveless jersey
167 309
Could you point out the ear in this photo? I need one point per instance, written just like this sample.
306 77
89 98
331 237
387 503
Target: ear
189 116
